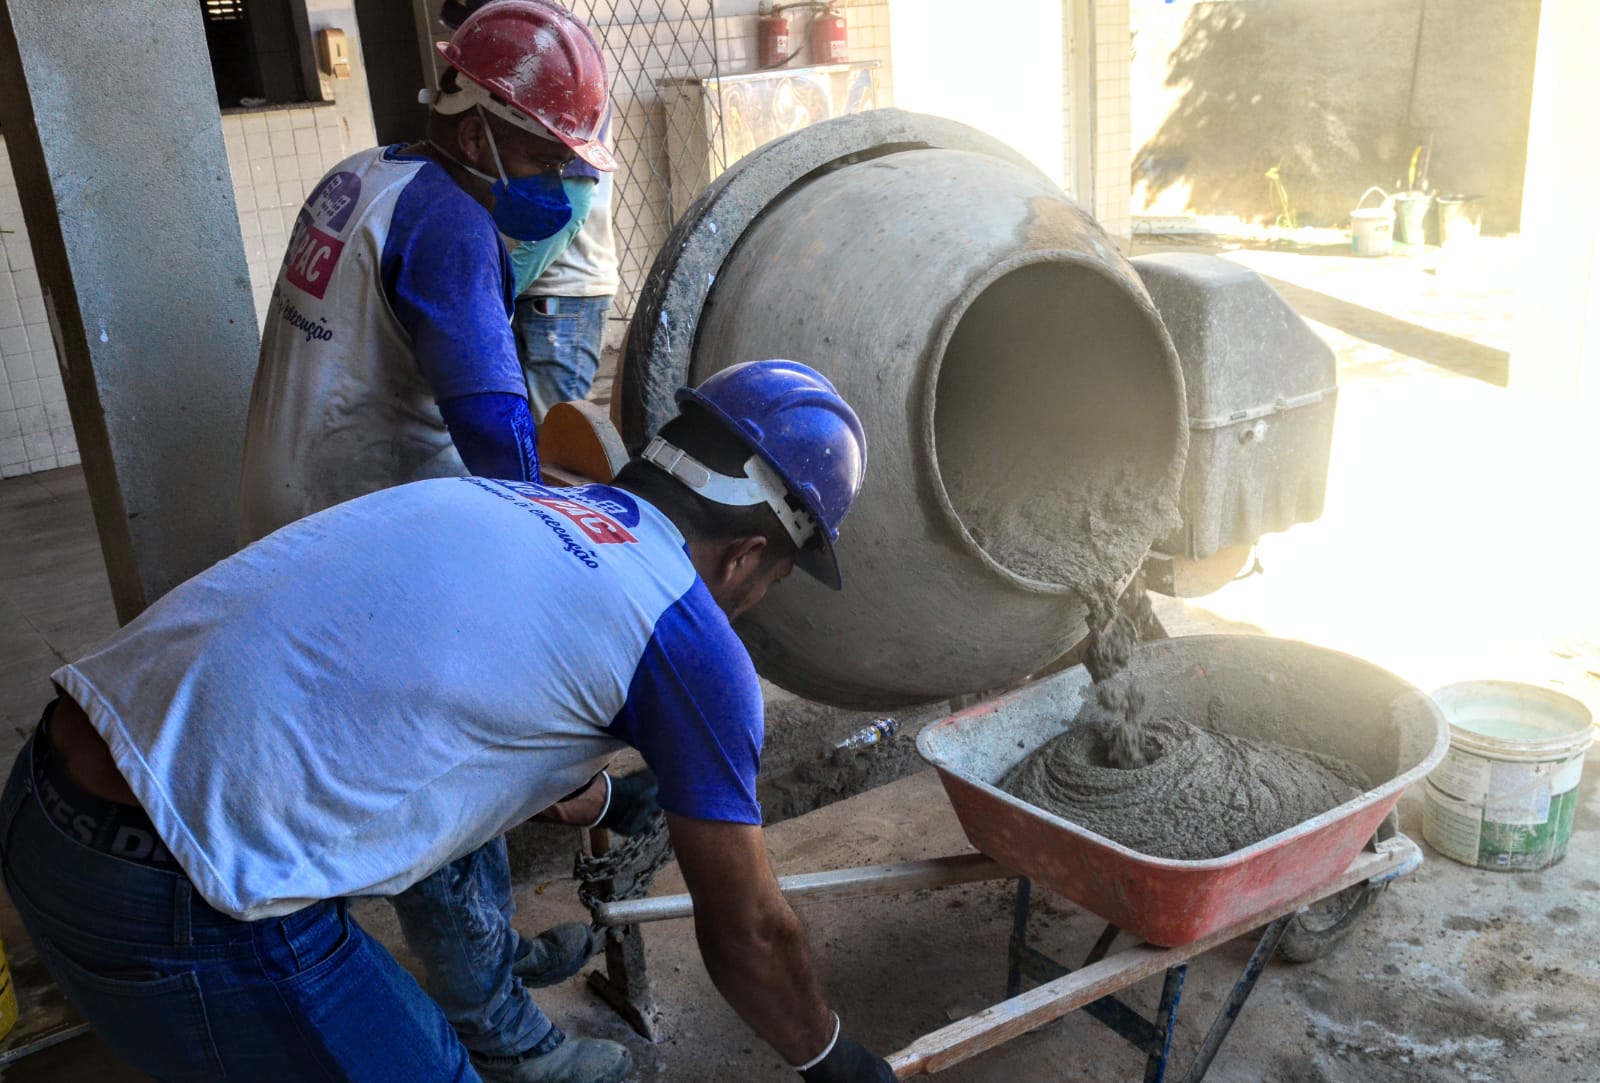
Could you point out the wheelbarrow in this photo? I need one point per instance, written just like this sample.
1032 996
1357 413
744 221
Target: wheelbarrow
1304 888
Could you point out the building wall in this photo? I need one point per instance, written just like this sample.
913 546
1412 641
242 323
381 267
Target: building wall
275 155
1113 123
1337 96
1556 338
35 430
675 39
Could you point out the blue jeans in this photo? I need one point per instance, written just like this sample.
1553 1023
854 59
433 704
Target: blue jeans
183 992
558 342
457 921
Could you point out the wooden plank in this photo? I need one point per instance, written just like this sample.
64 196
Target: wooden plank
1012 1018
827 886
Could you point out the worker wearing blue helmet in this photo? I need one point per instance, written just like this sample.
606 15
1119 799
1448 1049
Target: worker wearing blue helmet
361 697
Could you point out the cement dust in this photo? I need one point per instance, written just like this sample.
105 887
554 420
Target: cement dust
1165 787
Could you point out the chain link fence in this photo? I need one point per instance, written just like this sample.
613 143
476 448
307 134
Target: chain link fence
663 63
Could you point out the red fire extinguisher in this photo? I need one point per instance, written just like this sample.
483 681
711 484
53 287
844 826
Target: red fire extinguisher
773 28
828 37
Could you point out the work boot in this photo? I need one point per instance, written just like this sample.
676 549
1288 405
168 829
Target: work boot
554 955
575 1060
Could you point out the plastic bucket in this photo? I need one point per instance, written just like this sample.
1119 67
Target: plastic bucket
1411 209
1372 228
1504 795
1460 220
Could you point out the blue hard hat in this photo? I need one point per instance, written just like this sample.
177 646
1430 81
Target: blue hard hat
795 420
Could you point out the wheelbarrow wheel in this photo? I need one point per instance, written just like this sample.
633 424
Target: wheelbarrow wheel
1323 926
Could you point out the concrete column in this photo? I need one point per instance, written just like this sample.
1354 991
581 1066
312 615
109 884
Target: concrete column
111 121
995 66
1556 344
1078 52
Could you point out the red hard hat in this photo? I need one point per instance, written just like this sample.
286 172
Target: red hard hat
544 64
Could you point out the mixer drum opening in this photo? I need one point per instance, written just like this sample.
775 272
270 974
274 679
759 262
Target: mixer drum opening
1053 434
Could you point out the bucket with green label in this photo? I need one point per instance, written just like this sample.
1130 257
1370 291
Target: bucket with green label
1504 796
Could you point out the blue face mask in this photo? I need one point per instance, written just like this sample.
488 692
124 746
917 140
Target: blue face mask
530 258
528 208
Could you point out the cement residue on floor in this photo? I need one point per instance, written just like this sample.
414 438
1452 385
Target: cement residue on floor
1202 795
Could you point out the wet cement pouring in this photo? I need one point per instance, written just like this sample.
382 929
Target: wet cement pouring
1165 787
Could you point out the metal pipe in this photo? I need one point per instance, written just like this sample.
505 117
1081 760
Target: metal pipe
835 884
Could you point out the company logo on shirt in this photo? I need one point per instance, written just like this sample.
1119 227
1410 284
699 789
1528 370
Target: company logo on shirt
315 246
597 526
614 502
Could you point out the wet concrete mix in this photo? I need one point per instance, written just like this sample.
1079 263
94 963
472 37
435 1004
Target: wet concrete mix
1166 787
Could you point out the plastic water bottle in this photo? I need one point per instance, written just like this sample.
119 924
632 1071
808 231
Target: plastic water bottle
881 729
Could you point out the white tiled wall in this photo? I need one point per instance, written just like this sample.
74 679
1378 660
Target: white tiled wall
276 156
1113 157
35 431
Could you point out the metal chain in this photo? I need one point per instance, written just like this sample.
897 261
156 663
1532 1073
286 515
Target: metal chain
629 867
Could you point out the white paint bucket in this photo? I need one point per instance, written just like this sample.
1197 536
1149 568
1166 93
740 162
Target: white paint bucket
1372 228
1504 795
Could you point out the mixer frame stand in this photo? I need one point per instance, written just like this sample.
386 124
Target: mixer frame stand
1153 1038
1091 986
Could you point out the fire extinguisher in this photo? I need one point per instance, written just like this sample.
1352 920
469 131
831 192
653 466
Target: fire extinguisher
828 38
773 28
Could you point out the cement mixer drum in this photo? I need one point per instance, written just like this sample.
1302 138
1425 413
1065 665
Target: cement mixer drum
1023 404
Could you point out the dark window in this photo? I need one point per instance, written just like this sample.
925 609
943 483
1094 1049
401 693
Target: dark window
260 51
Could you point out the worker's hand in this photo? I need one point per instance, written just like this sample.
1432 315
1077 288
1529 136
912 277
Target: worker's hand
582 807
849 1062
633 802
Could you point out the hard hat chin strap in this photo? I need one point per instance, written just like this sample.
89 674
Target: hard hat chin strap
760 485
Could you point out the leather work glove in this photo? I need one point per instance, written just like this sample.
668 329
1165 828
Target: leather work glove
849 1062
633 802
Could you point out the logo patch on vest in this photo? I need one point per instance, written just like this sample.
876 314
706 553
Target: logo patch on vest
315 245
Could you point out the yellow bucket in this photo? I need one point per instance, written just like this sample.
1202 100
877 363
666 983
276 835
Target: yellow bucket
8 996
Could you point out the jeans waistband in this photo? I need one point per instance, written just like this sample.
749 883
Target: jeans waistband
120 831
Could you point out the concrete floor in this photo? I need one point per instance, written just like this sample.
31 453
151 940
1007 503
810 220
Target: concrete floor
1453 547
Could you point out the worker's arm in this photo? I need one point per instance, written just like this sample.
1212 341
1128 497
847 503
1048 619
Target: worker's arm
623 805
495 434
447 279
755 950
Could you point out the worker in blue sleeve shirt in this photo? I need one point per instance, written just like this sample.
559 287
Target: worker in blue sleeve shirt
388 357
380 687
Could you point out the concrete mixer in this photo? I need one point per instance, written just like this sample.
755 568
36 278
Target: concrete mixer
1027 413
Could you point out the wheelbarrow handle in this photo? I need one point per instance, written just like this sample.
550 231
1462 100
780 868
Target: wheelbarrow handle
834 884
1410 859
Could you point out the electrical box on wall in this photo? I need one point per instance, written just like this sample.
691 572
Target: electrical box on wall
334 52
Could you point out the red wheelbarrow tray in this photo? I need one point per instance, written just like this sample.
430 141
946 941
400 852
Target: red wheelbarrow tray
1255 686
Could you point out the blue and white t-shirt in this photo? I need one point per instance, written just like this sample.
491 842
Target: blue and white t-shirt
394 295
380 688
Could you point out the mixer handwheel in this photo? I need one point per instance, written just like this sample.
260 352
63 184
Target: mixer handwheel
1321 927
